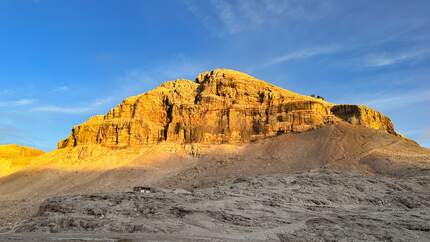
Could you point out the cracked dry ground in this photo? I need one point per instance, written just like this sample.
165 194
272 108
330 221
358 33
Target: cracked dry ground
319 205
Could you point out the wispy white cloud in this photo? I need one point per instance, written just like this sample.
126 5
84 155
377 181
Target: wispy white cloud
132 82
400 100
388 59
227 15
60 109
240 15
303 54
73 110
23 102
61 89
101 102
141 79
17 103
388 101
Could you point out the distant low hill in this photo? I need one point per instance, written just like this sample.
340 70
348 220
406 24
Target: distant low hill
15 157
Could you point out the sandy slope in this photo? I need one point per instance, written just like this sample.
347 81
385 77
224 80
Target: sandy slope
340 147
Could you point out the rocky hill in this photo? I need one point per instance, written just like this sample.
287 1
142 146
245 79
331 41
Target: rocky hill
224 125
220 106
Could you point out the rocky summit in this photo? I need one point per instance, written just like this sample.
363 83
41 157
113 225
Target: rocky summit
220 106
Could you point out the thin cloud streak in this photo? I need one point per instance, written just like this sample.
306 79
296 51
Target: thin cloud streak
303 54
389 101
61 89
388 59
72 110
132 82
59 109
17 103
227 15
141 79
241 15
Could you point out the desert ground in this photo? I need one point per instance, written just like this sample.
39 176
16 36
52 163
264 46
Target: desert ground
315 205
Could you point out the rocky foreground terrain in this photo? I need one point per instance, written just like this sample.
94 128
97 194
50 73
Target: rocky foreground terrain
316 205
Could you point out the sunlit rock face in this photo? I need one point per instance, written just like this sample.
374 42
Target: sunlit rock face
220 106
362 115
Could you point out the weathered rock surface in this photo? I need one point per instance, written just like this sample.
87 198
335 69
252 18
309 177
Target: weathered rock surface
320 205
221 106
362 115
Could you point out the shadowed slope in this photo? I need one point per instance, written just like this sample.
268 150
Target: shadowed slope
340 147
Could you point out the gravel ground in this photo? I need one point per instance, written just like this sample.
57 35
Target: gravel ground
319 205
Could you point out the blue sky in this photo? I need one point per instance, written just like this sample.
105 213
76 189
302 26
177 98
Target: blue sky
64 61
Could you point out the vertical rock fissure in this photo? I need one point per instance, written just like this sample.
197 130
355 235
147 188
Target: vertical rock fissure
116 134
75 139
169 117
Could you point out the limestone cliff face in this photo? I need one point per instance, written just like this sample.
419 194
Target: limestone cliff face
220 106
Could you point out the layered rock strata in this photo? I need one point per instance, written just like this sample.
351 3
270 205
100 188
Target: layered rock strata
220 106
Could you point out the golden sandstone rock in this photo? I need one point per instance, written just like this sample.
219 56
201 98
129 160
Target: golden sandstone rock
220 106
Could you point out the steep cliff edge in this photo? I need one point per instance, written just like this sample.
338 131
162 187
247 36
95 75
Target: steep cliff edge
220 106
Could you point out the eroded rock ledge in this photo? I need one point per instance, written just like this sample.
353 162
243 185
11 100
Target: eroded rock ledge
220 106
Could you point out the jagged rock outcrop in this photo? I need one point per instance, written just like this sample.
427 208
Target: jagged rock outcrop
220 106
